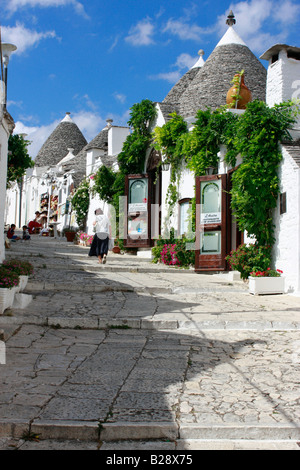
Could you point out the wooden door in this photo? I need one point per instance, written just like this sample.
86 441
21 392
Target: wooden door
137 211
211 223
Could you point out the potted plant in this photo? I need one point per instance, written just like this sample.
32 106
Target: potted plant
249 258
117 246
22 268
70 233
9 280
269 281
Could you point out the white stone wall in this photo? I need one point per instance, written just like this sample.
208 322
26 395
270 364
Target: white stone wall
4 134
186 189
286 251
283 81
116 138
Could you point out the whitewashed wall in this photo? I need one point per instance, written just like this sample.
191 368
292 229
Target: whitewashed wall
286 251
4 134
283 83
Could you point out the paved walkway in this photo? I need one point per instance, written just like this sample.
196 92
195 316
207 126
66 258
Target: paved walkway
146 357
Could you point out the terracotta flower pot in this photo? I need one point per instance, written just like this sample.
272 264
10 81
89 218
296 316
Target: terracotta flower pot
70 236
243 91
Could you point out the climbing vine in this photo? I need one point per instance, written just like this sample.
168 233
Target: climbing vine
168 139
255 183
80 200
104 180
132 157
254 136
109 184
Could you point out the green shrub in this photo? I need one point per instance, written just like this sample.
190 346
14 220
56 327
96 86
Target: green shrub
249 258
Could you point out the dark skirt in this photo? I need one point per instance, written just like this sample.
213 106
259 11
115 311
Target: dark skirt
99 246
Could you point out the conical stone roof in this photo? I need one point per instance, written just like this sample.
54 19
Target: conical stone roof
212 81
174 95
66 135
207 83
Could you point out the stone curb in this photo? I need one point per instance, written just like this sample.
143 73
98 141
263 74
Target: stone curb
137 323
109 432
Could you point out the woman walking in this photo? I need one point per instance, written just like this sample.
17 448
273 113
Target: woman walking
99 246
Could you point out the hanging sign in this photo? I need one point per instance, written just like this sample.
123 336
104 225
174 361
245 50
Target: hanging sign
211 218
137 207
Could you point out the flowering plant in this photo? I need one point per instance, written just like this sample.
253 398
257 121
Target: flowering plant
250 258
268 273
173 251
168 255
21 268
85 237
8 278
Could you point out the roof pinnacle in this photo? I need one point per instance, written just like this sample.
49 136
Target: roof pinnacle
230 19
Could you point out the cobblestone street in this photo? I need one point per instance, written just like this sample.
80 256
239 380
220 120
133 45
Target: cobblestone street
132 355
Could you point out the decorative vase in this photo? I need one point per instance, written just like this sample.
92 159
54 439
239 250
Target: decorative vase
6 298
266 285
239 90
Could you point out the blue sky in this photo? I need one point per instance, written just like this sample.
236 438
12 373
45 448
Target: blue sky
97 58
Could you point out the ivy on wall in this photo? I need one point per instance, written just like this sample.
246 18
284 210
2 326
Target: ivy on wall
109 184
80 201
168 140
255 136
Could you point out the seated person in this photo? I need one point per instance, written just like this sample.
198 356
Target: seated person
11 233
26 235
34 226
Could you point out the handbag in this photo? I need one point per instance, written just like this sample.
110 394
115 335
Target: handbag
111 244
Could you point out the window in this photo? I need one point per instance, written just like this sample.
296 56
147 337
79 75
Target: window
210 243
211 202
282 203
184 216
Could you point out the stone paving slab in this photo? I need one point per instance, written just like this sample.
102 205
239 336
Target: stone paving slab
64 384
126 355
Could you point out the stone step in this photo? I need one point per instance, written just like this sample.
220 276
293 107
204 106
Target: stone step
147 431
152 446
172 323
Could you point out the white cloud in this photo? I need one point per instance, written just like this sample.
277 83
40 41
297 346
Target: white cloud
90 123
141 34
23 37
184 30
120 97
257 21
37 135
13 5
184 61
286 12
171 77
